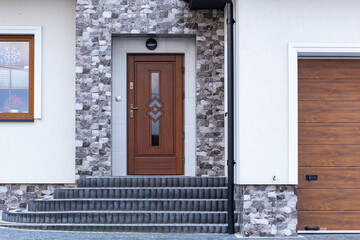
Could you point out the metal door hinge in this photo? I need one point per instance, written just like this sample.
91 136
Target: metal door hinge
131 85
183 160
183 135
183 94
183 70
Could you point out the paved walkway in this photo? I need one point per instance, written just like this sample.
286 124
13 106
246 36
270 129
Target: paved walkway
12 234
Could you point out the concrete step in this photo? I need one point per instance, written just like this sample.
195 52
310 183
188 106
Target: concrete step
116 217
128 204
143 192
156 228
156 181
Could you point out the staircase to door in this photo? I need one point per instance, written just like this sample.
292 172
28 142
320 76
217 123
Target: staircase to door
130 204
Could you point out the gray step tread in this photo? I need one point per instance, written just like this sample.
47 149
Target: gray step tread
128 228
142 204
185 188
104 212
154 193
111 224
117 217
148 176
153 181
129 199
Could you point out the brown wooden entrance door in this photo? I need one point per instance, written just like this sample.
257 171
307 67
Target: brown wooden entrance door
329 144
155 114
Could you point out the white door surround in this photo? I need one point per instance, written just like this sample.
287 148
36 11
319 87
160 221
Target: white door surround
121 46
296 50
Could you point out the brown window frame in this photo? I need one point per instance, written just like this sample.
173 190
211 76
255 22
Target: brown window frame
30 115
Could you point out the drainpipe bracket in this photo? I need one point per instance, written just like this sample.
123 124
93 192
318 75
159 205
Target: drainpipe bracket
230 21
229 161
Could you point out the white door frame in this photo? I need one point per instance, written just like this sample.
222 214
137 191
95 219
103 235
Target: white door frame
296 50
121 46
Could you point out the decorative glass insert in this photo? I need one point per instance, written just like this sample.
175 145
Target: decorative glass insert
155 134
155 109
155 106
14 76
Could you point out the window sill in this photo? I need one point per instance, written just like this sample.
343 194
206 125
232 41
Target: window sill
17 120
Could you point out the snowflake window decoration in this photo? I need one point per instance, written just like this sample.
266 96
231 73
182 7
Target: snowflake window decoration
10 54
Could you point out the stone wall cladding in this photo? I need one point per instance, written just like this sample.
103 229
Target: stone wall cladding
239 205
269 211
96 22
16 196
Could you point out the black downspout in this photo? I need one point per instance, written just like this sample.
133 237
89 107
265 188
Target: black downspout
230 114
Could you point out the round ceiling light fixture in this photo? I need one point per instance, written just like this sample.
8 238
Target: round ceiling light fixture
151 44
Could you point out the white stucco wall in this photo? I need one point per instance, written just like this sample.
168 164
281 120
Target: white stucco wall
264 30
44 151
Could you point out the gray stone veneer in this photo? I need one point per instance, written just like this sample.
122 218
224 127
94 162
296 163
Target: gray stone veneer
267 211
16 196
97 21
239 205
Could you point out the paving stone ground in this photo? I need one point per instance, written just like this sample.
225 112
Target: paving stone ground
12 234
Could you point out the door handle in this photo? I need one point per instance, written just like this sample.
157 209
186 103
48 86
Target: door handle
311 177
312 228
132 108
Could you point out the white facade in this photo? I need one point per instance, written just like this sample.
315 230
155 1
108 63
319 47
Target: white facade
264 30
44 151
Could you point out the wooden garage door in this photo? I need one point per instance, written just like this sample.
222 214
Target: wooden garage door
329 144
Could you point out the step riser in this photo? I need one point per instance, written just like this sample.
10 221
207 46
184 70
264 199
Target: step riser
154 182
141 193
121 205
123 218
152 229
